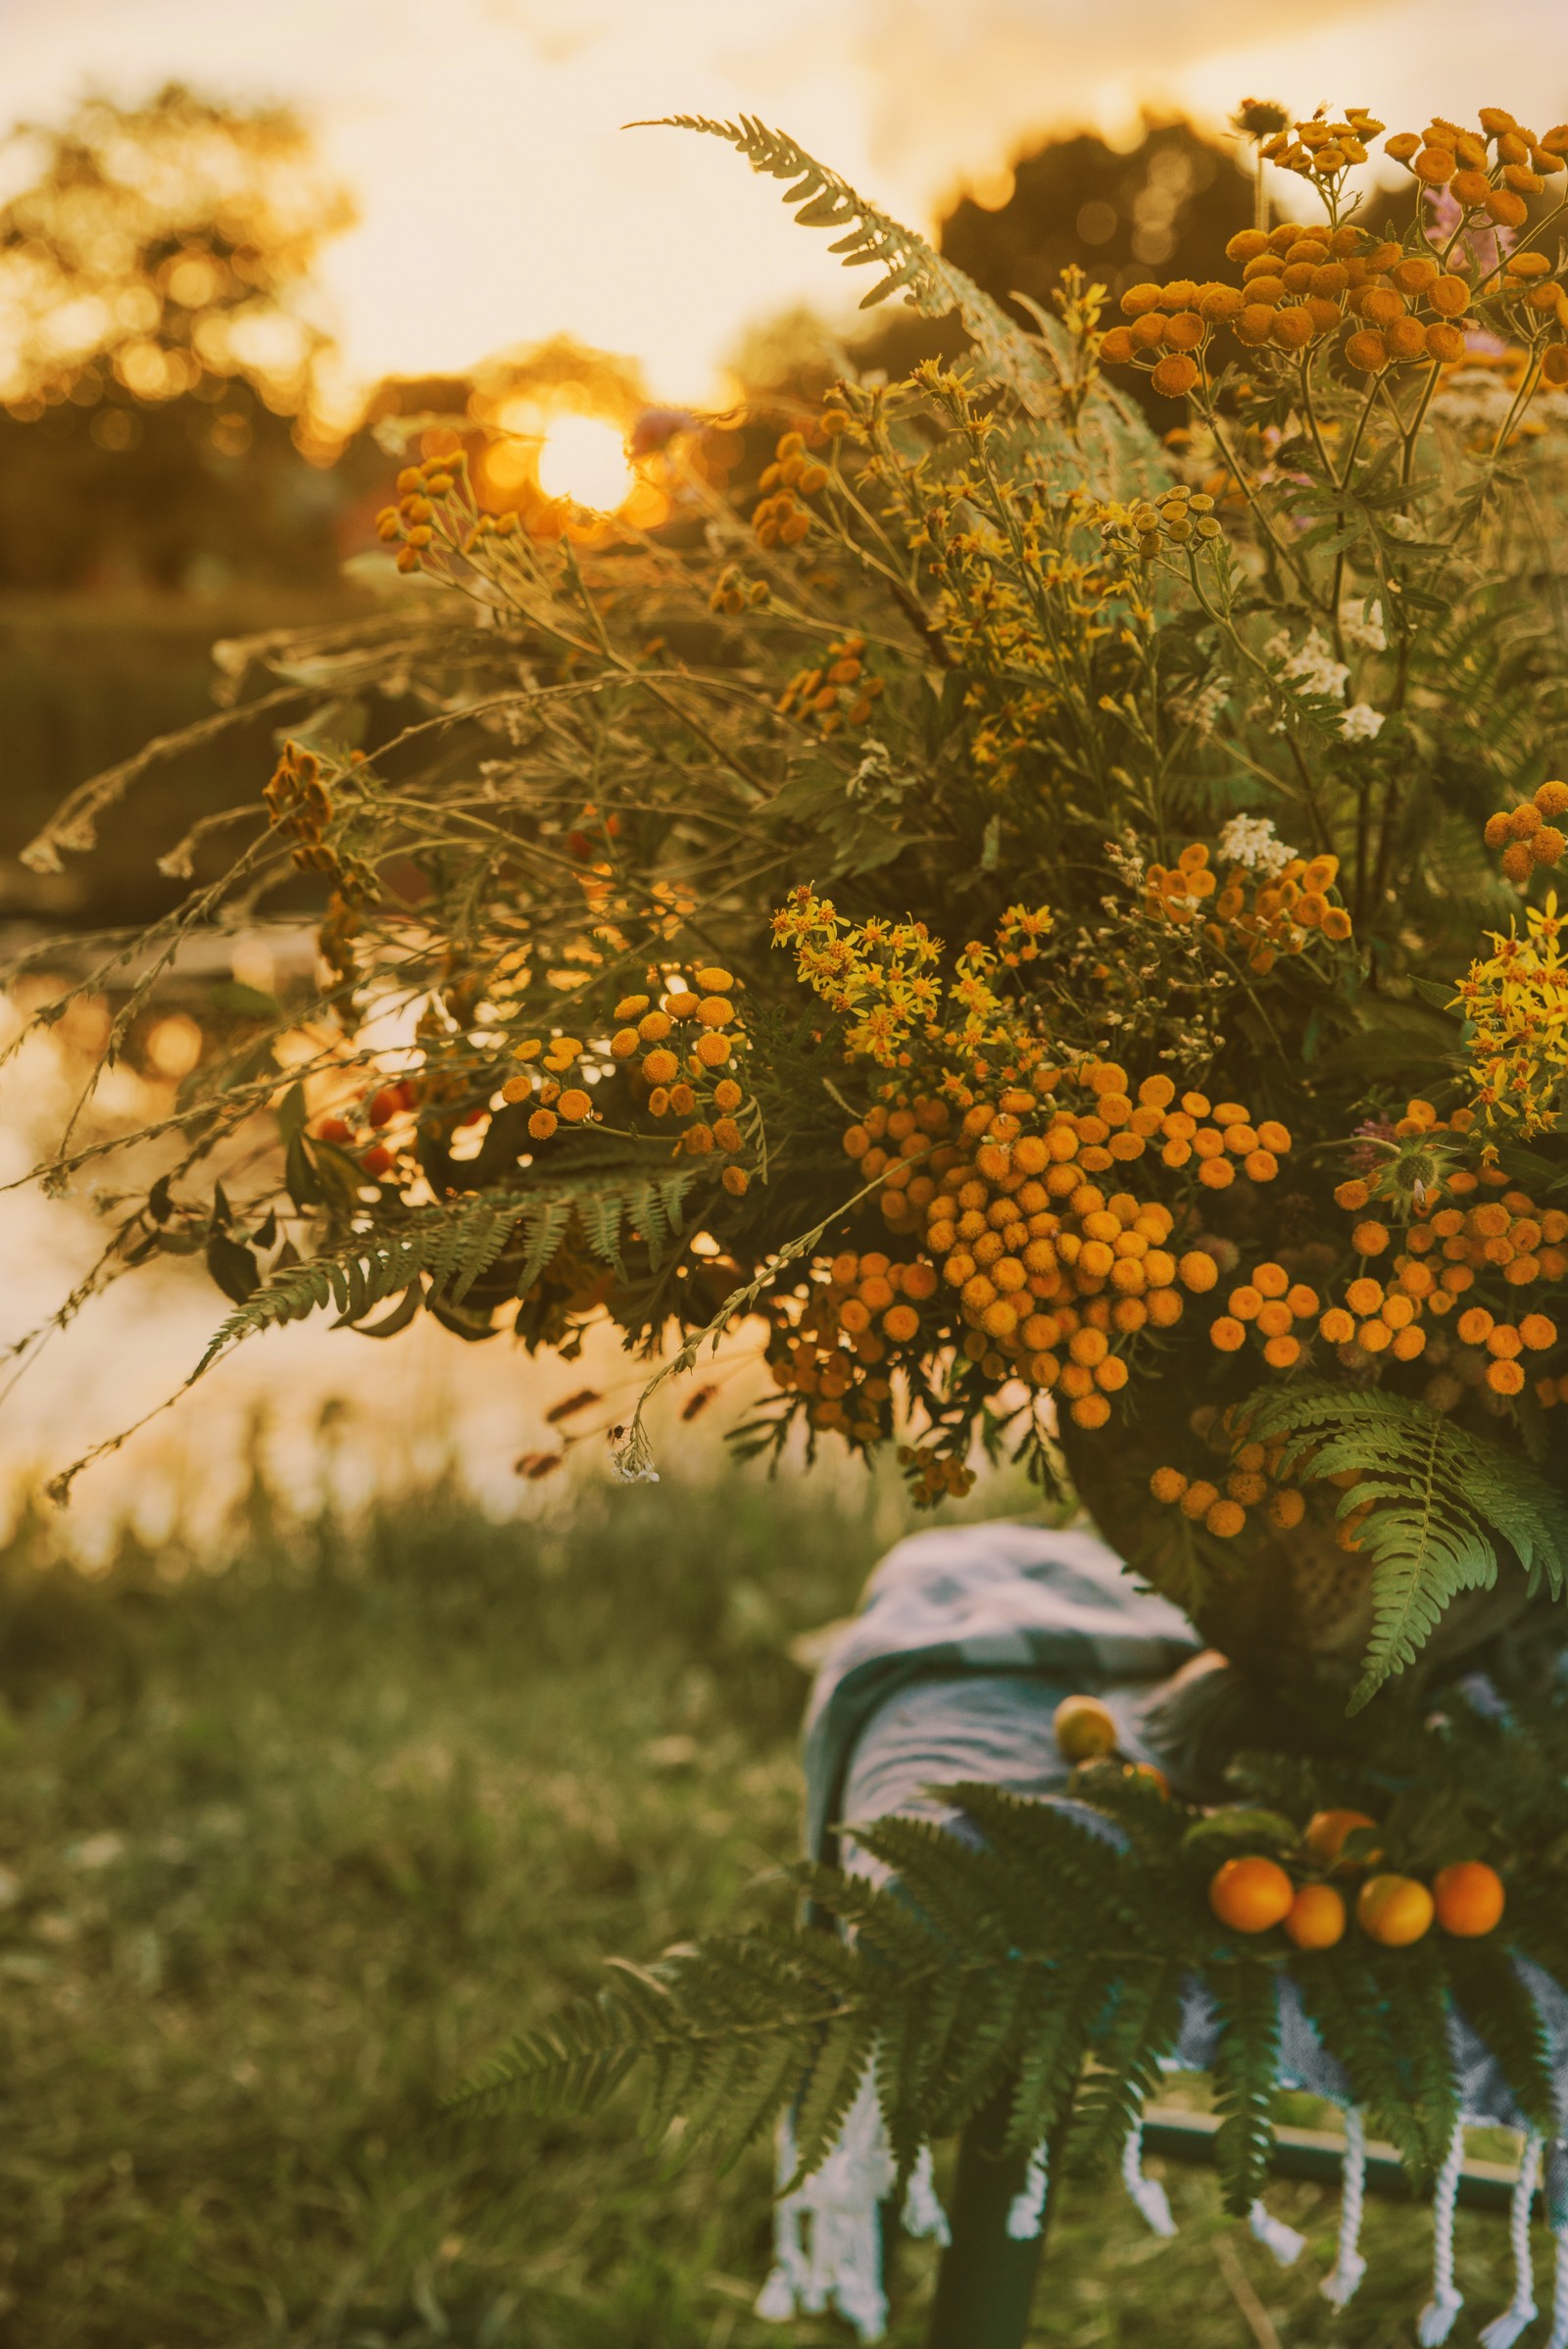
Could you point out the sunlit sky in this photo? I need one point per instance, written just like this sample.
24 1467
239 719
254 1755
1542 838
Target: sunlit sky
501 201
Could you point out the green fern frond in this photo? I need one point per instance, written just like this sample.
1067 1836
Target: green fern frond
1441 1502
1141 2028
1246 2076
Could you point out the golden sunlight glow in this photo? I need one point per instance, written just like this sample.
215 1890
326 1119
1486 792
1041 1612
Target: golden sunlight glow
584 458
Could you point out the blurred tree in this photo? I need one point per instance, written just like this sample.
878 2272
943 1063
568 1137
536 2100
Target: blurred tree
1163 208
160 350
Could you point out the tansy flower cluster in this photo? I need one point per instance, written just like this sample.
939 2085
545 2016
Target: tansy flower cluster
838 1345
1458 1256
1323 151
1248 1484
425 511
1175 518
778 518
1054 1273
838 692
1530 835
1251 912
1383 305
1255 1475
1266 1307
1515 1000
1490 172
678 1051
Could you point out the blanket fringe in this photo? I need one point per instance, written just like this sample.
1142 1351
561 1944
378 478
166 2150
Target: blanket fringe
1339 2287
1504 2330
922 2214
1026 2214
1275 2237
838 2208
1436 2320
1148 2193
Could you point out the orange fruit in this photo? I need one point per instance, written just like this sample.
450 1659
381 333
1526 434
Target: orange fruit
1469 1898
1251 1894
1085 1728
1316 1917
1395 1910
1156 1777
1327 1833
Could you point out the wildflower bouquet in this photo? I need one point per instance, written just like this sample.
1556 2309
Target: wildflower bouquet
1048 928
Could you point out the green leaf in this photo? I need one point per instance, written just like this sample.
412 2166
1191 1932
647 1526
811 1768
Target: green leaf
291 1112
232 1267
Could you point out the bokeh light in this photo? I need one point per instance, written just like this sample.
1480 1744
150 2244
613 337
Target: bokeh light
584 458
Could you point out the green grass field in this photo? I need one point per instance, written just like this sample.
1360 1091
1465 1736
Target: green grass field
285 1849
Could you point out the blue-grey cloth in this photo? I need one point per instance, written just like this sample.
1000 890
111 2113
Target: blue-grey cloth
968 1640
1023 1607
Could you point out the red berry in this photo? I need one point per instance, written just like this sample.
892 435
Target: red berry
376 1159
334 1129
384 1107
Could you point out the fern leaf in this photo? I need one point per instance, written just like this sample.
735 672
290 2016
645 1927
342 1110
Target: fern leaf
545 1226
838 2066
1063 2007
1144 2020
601 1214
1441 1502
932 285
1246 2073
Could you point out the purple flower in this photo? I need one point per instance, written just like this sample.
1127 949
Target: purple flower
1370 1134
656 428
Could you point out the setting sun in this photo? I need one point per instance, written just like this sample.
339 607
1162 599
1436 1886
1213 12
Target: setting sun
584 458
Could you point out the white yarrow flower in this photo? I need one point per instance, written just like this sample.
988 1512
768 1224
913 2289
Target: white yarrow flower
1314 669
1251 841
1362 624
1361 722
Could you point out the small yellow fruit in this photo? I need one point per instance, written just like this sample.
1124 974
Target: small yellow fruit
1251 1894
1328 1831
1395 1910
1469 1898
1316 1919
1084 1728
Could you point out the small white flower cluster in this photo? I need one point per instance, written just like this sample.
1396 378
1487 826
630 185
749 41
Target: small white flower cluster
1251 841
1199 709
1362 624
1313 669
